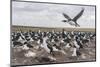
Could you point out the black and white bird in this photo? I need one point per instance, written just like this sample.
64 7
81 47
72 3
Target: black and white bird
74 20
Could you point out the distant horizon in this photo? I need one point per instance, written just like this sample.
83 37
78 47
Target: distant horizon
27 28
51 27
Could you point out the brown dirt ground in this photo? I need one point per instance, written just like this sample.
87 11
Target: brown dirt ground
87 54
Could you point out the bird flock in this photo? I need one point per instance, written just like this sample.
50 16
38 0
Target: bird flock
51 42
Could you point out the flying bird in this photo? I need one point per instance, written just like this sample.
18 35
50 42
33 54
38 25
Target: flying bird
74 20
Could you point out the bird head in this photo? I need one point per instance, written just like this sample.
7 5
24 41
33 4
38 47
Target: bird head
64 21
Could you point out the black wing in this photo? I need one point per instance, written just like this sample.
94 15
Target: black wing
79 15
66 16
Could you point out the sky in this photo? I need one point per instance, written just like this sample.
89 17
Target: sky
50 15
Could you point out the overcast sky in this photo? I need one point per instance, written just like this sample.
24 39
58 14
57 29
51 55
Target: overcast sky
50 15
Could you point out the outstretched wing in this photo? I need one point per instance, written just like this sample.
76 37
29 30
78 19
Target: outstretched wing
66 16
79 15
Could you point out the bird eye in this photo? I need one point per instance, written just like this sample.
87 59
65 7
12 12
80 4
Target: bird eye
64 21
